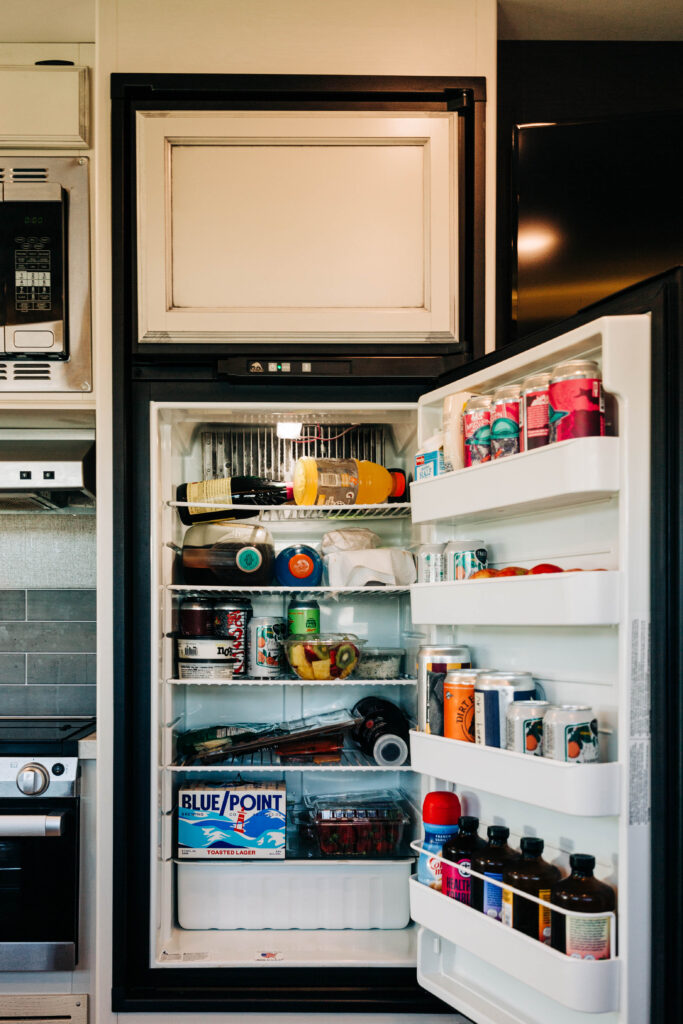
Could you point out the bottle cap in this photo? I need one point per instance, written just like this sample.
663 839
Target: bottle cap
468 823
582 861
399 488
532 845
441 808
498 832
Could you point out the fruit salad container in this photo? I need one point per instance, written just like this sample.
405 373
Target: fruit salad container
323 656
363 825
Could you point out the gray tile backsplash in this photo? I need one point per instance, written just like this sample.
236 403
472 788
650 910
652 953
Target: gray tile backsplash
47 652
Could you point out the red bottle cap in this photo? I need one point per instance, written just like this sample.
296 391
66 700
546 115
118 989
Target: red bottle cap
441 808
399 488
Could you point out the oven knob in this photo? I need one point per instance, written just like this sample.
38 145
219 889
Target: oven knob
32 780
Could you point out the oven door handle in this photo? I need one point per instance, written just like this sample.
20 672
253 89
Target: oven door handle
35 826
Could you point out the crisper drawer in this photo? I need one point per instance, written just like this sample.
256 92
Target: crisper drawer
299 894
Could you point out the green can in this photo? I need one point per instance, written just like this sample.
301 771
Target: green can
303 616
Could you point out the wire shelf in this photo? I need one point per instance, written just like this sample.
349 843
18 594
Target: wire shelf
293 513
268 760
291 681
181 588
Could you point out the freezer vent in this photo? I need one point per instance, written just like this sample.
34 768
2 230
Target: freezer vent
258 451
27 174
3 371
32 371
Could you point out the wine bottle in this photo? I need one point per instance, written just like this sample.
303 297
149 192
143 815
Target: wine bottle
230 490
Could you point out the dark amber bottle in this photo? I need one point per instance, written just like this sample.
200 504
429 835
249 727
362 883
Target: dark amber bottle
529 873
492 861
586 938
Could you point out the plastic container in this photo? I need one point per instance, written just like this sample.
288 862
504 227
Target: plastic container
221 554
299 566
345 482
358 825
440 813
322 656
381 662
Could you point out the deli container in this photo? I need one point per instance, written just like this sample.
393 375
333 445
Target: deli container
357 825
204 658
381 663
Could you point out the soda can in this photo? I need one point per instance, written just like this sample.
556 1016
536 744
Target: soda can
570 733
493 693
524 726
576 404
462 558
432 665
265 648
476 429
230 620
430 563
303 616
506 420
535 411
458 704
195 617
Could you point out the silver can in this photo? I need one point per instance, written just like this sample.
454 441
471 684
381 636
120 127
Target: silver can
462 558
432 665
265 646
524 726
231 620
535 410
570 733
493 694
430 563
506 422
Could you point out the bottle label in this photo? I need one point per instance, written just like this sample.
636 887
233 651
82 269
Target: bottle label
429 866
456 878
576 409
587 938
208 490
493 897
337 482
544 917
581 742
506 908
249 559
303 620
536 418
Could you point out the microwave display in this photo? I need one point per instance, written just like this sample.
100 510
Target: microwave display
37 231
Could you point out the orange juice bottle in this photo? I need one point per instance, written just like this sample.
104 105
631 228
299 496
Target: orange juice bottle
345 482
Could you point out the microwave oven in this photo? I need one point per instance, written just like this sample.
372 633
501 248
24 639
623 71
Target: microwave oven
44 275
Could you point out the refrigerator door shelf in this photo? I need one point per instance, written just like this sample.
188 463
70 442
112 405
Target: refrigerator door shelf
559 475
585 789
548 599
589 986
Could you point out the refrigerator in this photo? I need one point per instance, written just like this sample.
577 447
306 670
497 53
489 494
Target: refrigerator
224 936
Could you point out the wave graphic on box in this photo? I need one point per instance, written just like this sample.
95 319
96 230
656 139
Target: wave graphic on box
263 830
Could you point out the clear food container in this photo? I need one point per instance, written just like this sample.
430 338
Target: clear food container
323 656
358 825
381 662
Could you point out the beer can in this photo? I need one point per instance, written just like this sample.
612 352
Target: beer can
524 726
265 648
462 558
493 693
195 617
576 403
535 411
303 616
432 665
230 620
430 563
570 733
458 704
506 419
476 429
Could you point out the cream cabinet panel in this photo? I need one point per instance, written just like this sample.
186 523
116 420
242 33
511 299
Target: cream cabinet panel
324 226
44 107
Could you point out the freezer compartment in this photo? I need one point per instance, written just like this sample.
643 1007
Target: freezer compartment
293 895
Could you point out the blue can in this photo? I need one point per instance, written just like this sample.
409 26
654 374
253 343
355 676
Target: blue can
299 566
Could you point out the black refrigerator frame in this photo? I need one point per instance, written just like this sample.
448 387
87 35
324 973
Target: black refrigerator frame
139 378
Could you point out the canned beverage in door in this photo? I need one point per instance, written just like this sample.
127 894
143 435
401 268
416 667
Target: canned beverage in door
535 410
577 407
506 419
462 558
524 726
476 428
265 647
458 704
570 733
432 665
231 620
430 568
493 693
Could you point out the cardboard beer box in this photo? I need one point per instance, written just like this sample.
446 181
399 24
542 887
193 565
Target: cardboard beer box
245 820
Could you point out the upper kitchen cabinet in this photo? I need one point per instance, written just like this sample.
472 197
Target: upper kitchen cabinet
330 211
44 107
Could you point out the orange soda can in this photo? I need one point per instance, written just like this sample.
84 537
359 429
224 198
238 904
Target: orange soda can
458 704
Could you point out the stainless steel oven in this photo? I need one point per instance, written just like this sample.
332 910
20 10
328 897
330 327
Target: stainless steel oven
39 843
44 274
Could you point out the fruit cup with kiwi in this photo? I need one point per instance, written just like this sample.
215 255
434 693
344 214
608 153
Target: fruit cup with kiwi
323 656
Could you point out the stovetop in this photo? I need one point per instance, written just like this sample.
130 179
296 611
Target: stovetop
46 734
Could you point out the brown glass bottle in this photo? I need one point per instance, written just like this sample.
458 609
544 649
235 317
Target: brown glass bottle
587 938
457 856
529 873
492 861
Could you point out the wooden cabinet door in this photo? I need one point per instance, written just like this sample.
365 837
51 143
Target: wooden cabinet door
297 225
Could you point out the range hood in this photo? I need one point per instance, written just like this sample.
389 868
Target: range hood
47 470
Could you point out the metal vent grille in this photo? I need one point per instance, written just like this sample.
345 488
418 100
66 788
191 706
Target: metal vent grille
3 371
258 451
32 371
27 174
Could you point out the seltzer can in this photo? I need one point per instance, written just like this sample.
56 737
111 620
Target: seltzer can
430 567
493 693
265 647
476 429
535 410
458 704
506 422
576 404
231 620
570 733
462 558
524 726
432 665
